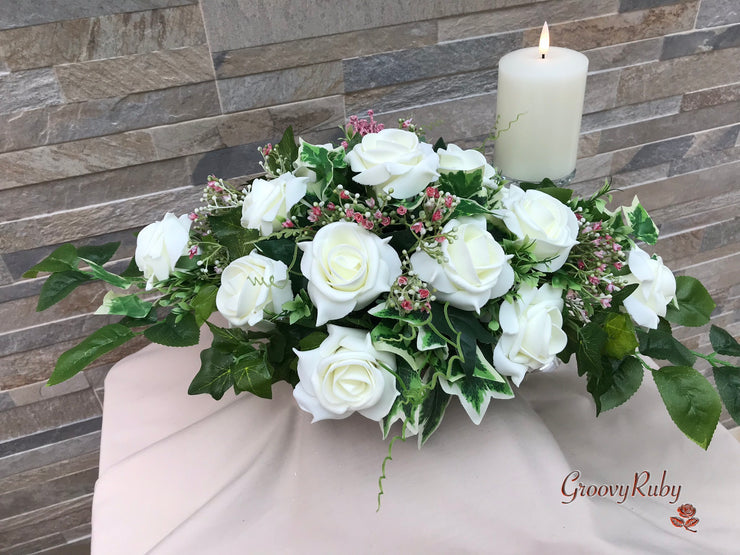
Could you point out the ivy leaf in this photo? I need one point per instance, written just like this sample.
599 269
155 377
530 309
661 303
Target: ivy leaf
228 231
643 227
62 259
132 270
662 345
620 331
214 376
177 330
413 318
723 343
204 303
100 254
695 305
96 345
560 193
692 402
252 373
431 412
626 380
467 207
619 296
461 183
124 305
284 250
727 379
58 285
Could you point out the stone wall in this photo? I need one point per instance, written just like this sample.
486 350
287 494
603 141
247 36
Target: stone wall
112 113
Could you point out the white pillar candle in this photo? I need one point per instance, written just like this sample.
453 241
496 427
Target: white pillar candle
540 101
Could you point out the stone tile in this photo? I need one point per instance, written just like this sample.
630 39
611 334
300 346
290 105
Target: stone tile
593 167
6 401
18 369
650 155
660 128
719 235
189 137
631 5
705 160
303 52
280 87
103 37
26 90
428 62
634 113
81 120
588 144
77 533
601 91
226 163
50 454
711 97
640 176
625 54
49 472
23 14
33 393
686 44
49 334
97 188
702 213
82 222
596 32
48 163
272 22
678 76
36 545
268 124
48 415
717 12
5 276
50 517
131 74
521 17
49 437
463 121
79 547
714 140
427 91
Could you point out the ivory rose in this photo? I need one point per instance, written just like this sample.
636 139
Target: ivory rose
657 288
476 269
394 159
536 216
268 203
251 285
453 158
347 267
532 331
345 374
159 245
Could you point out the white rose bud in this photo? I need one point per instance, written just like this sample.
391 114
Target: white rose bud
453 159
251 285
347 267
532 331
268 203
159 245
394 159
538 217
657 288
477 268
345 374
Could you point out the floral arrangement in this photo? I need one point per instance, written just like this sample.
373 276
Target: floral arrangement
387 275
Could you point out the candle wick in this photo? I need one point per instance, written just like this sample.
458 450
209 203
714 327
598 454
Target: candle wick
543 56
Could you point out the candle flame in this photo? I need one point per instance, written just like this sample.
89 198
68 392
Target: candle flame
544 40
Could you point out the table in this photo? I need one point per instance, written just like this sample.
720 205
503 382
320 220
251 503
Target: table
182 474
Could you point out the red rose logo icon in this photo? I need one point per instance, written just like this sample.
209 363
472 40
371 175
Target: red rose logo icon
687 511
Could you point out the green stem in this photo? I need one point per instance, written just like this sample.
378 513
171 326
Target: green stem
712 359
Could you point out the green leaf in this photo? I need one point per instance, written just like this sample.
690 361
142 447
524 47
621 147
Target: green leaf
662 345
204 303
476 393
559 193
626 381
228 231
97 344
312 340
101 273
284 250
58 285
691 401
177 330
723 343
591 341
467 207
727 379
298 309
283 154
461 183
619 296
427 340
214 376
124 305
252 373
695 304
62 259
100 254
621 340
643 227
132 270
413 318
440 144
431 412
